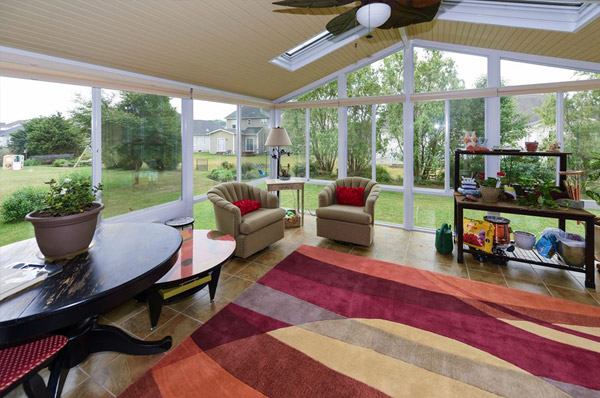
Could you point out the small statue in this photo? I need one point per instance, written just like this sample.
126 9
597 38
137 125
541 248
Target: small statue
554 147
471 145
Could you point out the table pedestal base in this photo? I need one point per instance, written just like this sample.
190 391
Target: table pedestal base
88 337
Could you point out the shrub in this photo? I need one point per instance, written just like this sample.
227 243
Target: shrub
60 162
247 168
22 201
222 175
32 162
382 175
226 165
299 169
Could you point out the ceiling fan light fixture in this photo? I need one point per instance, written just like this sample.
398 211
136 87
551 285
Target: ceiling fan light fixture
373 15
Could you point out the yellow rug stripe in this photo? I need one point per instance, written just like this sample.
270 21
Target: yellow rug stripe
391 376
591 330
439 342
555 335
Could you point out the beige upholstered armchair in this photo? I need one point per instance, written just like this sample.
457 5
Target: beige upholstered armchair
253 231
350 224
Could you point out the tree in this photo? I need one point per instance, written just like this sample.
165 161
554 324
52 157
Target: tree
48 136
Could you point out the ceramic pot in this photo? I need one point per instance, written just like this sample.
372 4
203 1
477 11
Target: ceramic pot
531 146
524 240
489 194
61 237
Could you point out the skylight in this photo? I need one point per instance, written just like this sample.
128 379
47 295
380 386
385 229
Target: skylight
562 16
316 47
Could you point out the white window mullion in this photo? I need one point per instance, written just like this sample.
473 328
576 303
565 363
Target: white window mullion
307 138
408 115
342 129
374 142
560 127
238 142
96 140
187 155
492 115
275 122
447 146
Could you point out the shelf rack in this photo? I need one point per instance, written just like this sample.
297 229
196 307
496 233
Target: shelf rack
510 207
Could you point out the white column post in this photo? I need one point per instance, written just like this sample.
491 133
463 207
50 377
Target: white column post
560 127
238 142
447 146
276 117
96 139
307 138
408 110
492 115
187 155
342 129
374 142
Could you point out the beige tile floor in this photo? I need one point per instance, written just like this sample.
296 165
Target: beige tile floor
108 374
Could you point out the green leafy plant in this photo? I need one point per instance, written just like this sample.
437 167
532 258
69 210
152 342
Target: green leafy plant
60 162
22 201
592 185
491 182
538 193
32 162
72 194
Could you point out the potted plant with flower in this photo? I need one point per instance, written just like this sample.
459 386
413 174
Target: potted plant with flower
66 224
592 190
490 186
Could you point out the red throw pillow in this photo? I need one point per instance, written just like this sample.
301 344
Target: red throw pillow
246 206
350 196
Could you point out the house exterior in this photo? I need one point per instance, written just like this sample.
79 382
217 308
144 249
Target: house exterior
254 132
6 129
202 130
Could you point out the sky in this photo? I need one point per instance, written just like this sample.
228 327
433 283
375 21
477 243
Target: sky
22 99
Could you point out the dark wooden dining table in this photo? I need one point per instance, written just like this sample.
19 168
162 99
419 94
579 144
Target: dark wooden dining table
124 260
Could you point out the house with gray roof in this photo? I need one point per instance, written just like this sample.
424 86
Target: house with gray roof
254 132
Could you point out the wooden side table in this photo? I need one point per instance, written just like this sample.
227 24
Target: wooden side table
295 184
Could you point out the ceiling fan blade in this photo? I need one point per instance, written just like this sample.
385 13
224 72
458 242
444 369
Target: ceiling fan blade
313 3
343 22
404 16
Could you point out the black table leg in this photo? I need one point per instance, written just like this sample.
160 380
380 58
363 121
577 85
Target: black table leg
214 281
34 387
87 337
154 301
589 254
459 224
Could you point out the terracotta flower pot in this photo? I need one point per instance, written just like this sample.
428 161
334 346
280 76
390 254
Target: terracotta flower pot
531 146
490 194
61 237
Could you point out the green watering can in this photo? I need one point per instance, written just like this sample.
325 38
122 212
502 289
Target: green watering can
443 239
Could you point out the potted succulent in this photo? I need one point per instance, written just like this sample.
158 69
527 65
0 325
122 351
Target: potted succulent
66 224
490 187
592 189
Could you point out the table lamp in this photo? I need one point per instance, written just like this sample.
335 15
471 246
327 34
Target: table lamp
277 138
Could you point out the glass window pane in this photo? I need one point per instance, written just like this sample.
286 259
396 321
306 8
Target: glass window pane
294 122
528 118
326 91
45 129
437 70
359 141
390 144
432 211
516 73
324 143
383 77
390 207
214 144
141 151
429 141
256 124
466 115
582 131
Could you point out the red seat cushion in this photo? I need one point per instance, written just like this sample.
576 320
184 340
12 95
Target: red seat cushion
350 196
246 206
18 361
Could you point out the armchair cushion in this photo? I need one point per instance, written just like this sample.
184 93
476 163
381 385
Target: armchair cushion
260 218
350 196
247 206
351 214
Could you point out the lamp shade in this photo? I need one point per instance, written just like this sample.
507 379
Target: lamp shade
373 15
278 137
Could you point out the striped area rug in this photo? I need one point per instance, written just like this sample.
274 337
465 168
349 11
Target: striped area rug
326 324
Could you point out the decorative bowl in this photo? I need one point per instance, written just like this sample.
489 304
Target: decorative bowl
524 240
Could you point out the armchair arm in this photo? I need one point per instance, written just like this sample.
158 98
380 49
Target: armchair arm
371 199
327 195
267 200
227 215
